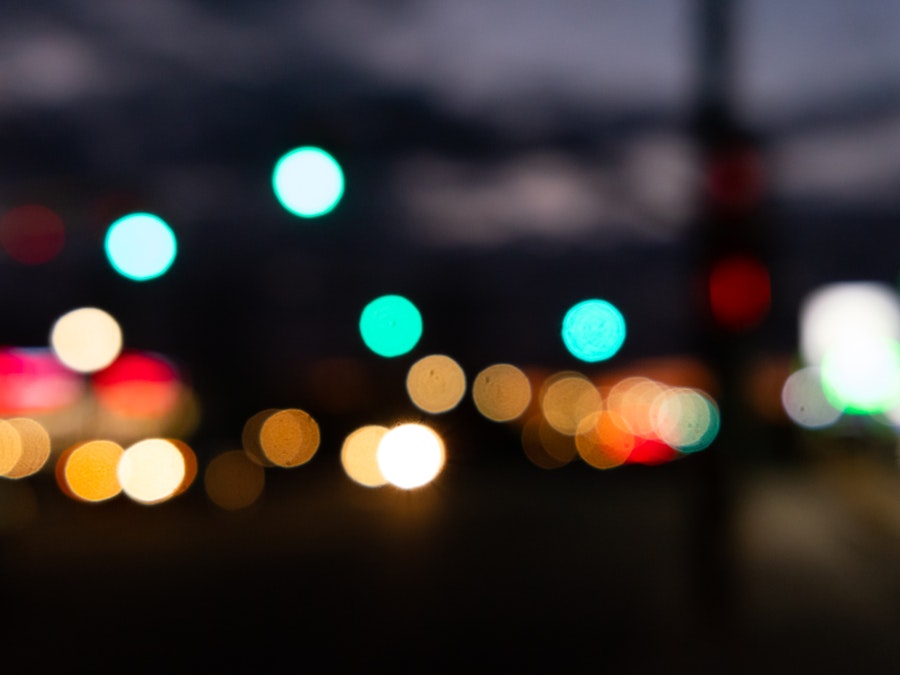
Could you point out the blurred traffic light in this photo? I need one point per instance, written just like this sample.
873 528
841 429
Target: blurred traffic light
736 279
739 291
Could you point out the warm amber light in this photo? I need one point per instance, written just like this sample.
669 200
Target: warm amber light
544 446
250 436
632 399
87 471
233 481
289 437
568 398
602 442
501 392
10 447
151 471
190 464
359 455
35 447
87 339
436 383
411 455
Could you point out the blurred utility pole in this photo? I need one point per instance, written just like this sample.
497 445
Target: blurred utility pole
733 297
716 60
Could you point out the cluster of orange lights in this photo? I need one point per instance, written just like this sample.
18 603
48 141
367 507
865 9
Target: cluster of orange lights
633 420
561 416
150 471
285 438
134 406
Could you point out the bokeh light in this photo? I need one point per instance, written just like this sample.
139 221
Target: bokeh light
804 399
151 471
138 385
308 182
359 455
390 325
89 471
740 292
10 447
289 438
631 399
140 246
593 330
36 447
232 481
602 441
544 446
863 376
501 392
34 381
567 398
436 383
32 234
250 437
651 452
411 455
190 464
844 314
86 339
685 419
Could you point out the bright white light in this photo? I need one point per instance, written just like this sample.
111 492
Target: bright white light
410 455
863 376
845 313
308 182
87 339
151 470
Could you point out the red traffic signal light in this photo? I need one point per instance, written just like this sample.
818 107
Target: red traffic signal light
740 292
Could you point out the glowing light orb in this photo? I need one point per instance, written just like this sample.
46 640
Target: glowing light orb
88 471
501 392
566 399
740 293
410 455
140 246
390 325
32 380
138 385
35 447
863 376
308 182
436 383
359 455
686 419
190 464
233 481
845 313
151 471
289 438
804 399
593 330
10 447
544 446
86 340
602 442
